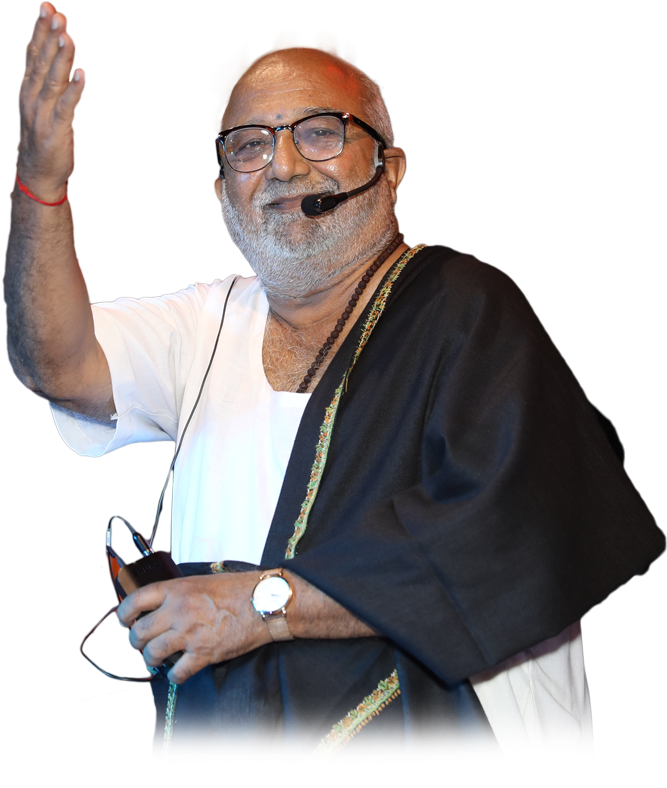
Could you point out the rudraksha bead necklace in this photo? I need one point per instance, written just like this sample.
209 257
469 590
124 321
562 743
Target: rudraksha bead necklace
340 324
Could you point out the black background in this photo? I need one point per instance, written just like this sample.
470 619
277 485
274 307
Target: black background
531 173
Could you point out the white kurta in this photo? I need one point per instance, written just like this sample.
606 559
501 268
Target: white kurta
234 458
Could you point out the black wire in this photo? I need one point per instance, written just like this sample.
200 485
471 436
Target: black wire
187 424
90 633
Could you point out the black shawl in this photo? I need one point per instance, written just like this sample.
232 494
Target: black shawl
473 504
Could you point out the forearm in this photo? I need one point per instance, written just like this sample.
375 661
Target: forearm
49 320
211 619
313 614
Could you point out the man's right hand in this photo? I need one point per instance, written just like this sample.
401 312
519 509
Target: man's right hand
47 102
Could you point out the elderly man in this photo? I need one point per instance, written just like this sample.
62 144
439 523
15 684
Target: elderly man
392 499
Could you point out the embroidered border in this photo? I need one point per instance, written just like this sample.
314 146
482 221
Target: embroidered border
370 706
169 717
326 430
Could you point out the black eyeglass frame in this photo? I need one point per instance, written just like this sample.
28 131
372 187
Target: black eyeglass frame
344 117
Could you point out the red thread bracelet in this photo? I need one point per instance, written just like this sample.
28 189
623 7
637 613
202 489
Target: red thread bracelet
32 196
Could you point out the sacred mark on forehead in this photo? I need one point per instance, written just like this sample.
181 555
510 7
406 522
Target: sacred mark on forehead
279 117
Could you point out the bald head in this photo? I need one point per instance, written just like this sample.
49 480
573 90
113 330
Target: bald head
331 77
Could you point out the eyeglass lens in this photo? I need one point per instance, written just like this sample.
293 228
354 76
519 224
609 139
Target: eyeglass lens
317 139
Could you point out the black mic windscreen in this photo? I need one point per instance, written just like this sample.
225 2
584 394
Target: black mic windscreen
315 204
308 205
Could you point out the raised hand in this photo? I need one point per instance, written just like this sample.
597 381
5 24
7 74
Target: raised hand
47 101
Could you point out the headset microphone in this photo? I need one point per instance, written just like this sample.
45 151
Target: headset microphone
316 204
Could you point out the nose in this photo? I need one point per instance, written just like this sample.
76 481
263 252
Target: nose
287 162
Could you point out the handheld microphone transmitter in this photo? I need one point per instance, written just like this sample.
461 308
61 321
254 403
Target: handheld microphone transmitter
152 568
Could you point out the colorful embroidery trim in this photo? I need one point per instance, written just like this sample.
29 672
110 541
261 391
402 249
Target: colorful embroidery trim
369 707
326 430
169 722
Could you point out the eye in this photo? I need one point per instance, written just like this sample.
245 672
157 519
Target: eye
247 144
320 134
323 133
250 146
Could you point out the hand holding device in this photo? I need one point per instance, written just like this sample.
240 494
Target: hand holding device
152 568
126 578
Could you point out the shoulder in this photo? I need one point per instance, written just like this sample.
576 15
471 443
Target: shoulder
447 282
186 303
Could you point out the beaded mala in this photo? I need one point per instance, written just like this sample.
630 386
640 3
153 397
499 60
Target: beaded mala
340 324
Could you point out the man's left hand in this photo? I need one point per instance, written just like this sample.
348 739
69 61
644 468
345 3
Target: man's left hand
209 618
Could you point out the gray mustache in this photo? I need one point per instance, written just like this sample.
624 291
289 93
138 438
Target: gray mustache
266 199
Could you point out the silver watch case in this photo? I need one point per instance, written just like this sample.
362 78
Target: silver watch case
271 595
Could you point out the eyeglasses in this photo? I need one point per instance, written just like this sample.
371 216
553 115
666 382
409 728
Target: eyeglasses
317 138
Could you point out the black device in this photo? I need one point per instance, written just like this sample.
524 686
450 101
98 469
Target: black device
152 568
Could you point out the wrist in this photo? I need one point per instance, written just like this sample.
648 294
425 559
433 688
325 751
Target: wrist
313 614
41 190
271 598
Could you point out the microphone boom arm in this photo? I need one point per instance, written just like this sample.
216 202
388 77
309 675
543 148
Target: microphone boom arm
316 204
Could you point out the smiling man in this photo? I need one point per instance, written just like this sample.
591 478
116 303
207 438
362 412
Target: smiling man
393 502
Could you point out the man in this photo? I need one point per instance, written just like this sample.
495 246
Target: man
452 518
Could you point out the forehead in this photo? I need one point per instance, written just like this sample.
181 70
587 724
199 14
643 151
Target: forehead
278 91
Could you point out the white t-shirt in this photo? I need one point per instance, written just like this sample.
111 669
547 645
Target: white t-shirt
233 461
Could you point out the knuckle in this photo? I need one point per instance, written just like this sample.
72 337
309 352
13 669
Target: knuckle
50 87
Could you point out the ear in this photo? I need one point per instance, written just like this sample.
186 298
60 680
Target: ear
218 188
394 167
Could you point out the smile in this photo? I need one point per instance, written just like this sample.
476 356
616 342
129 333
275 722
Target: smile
292 203
286 203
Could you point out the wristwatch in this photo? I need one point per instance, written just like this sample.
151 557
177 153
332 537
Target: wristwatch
270 598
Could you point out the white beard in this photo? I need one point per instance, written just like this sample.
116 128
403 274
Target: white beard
295 255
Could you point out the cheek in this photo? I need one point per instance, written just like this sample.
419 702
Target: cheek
240 188
353 166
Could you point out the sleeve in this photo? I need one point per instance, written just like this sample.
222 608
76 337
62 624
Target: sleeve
539 698
149 344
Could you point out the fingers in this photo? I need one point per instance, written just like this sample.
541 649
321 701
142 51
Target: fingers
165 646
58 90
43 44
140 601
57 78
40 32
48 65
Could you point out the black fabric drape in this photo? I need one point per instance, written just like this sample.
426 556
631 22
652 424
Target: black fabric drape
472 506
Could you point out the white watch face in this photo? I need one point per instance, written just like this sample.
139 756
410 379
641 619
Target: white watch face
271 594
